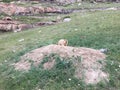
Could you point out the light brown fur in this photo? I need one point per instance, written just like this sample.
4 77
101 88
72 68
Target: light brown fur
63 42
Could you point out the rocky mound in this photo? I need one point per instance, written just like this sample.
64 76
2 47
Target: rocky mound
8 24
88 68
12 9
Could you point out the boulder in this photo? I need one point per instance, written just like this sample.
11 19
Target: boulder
4 27
12 9
7 18
8 24
67 20
49 9
9 9
42 10
21 11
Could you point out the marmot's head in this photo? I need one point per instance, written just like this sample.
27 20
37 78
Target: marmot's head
63 42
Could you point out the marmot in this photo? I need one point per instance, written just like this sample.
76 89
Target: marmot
63 42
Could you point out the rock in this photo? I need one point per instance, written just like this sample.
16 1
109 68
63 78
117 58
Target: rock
79 4
113 8
12 9
14 27
67 1
13 2
49 9
58 19
36 10
7 18
42 10
104 50
6 27
24 26
44 23
21 40
22 11
67 20
35 2
8 24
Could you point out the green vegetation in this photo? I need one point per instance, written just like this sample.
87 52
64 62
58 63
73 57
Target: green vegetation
81 5
91 5
89 29
7 1
32 19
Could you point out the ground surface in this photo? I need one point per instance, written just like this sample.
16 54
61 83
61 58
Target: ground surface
89 62
99 29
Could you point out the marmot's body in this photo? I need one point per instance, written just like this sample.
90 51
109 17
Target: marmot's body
63 42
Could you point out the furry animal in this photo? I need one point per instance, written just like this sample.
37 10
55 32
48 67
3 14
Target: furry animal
63 42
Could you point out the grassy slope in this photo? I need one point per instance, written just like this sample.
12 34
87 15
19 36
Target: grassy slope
95 30
75 5
91 5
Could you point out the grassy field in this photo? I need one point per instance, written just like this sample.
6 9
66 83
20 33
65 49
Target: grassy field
91 5
89 29
75 5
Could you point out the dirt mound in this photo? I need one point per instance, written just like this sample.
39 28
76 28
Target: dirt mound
89 68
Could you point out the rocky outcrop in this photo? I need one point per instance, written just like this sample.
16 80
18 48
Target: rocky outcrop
12 9
8 24
60 2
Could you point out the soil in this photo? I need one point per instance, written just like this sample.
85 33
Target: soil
88 69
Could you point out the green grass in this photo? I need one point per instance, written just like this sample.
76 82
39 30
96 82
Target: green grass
91 5
32 19
75 5
90 29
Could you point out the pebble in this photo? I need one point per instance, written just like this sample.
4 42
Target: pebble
5 60
76 29
78 84
103 50
39 31
21 40
14 51
67 20
69 79
79 4
119 66
112 63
